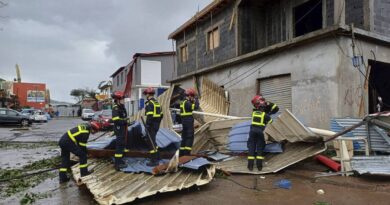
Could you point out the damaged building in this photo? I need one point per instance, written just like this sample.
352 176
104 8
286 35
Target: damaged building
318 58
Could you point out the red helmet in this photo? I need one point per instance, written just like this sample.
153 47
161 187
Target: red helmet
117 95
149 91
190 92
258 101
95 125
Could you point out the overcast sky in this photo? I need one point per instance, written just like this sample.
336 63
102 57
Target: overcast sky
76 44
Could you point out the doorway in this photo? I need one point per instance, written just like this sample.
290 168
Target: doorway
379 80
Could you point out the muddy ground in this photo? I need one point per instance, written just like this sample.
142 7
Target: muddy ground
30 150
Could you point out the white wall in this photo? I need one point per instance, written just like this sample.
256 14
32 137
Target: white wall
150 72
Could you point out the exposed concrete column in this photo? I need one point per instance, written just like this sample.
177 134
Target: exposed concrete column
339 12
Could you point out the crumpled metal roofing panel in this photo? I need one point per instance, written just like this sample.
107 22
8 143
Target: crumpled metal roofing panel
293 153
111 187
238 138
371 165
286 127
212 100
138 165
378 139
196 163
164 138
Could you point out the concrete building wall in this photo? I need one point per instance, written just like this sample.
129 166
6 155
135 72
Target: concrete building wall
325 84
195 39
381 17
354 13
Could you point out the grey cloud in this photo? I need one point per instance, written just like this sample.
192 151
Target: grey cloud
70 44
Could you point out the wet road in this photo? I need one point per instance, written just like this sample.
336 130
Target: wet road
20 147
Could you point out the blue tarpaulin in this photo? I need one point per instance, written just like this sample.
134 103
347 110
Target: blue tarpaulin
238 138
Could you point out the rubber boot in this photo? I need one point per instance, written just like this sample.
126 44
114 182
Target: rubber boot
153 160
63 177
259 164
181 153
84 172
119 164
250 164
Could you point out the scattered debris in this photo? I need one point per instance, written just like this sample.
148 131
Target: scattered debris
284 184
320 192
329 163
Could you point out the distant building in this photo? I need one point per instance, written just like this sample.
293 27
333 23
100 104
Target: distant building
145 70
30 94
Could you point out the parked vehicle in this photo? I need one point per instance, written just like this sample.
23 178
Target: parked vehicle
9 116
87 114
39 116
103 117
28 112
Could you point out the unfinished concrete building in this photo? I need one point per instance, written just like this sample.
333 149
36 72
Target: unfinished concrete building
304 55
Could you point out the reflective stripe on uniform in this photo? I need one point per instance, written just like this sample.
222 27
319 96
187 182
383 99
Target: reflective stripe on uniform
116 118
118 155
154 112
126 150
258 115
72 136
183 111
259 157
251 157
83 165
153 151
186 148
63 169
83 144
270 121
273 107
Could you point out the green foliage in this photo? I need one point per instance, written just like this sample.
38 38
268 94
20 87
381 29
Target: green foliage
17 185
30 198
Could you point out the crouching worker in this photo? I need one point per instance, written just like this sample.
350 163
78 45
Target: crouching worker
256 142
75 141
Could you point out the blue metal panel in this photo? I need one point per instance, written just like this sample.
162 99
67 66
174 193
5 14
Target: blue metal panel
238 138
160 91
138 165
377 141
196 163
141 104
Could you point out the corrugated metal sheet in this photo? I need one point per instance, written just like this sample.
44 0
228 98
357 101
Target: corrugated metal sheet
286 127
138 165
293 153
164 138
111 187
378 139
212 100
277 90
371 165
238 138
196 164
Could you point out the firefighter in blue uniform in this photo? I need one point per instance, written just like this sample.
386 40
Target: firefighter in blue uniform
75 141
256 142
154 115
186 107
119 118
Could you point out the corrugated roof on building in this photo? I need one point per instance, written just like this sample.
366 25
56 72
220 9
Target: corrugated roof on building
117 71
371 165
